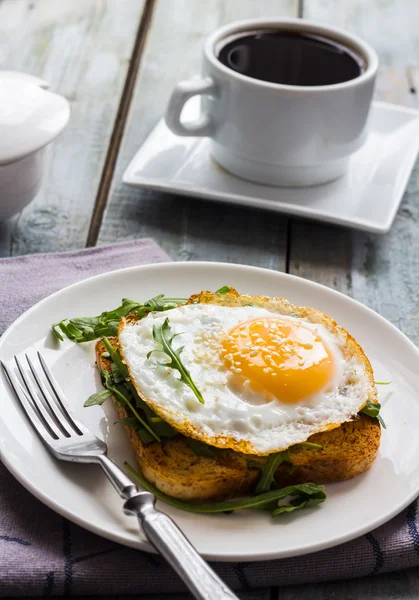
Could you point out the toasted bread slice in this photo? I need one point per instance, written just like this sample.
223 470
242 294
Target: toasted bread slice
175 469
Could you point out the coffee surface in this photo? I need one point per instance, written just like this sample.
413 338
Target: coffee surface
290 58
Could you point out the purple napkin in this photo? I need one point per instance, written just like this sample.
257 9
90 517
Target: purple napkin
43 554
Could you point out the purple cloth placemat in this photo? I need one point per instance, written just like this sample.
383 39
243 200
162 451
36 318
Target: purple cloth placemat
43 554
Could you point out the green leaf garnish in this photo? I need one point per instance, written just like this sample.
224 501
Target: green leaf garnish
129 422
164 430
162 335
382 382
304 495
118 377
56 331
201 449
224 290
144 435
98 398
116 358
267 477
311 445
68 329
372 409
159 303
120 395
300 496
151 428
86 329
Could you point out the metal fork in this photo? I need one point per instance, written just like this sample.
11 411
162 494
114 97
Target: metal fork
68 439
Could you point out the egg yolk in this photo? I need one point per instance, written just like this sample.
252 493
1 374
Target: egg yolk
282 356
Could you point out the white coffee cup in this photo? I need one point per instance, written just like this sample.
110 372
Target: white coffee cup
273 133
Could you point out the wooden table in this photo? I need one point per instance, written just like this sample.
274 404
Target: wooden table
116 61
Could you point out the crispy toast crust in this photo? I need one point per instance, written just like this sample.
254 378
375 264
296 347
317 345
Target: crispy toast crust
175 469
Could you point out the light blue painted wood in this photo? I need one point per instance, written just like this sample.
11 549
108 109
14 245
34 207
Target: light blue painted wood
188 228
82 48
380 271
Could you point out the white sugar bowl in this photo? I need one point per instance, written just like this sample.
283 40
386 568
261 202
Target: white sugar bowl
30 118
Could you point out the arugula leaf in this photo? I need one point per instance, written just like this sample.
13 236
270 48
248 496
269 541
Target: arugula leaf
106 378
119 393
381 421
117 376
117 384
159 303
372 409
144 435
129 422
223 290
311 445
267 477
124 400
116 358
98 398
165 430
304 495
260 501
201 449
125 392
85 329
161 429
68 330
161 334
139 402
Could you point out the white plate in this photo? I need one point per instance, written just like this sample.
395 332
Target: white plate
366 198
82 493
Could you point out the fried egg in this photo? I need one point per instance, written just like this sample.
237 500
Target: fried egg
271 374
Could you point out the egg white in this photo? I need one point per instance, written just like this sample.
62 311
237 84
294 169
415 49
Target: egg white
233 412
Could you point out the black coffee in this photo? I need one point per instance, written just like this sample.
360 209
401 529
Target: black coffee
290 58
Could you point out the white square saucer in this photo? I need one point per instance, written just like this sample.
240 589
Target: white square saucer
366 198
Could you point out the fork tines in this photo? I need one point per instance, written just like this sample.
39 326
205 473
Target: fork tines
41 398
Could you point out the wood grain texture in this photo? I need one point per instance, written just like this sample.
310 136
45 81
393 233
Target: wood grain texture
83 49
116 137
188 229
381 271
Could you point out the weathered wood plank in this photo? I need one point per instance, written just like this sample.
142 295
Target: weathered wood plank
83 50
380 271
187 228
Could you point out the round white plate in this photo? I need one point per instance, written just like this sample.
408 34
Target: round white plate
82 493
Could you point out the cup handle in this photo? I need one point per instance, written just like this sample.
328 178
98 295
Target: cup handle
180 95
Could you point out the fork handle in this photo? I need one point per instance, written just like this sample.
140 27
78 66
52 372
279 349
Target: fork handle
168 539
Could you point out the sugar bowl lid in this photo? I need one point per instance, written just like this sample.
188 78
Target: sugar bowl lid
30 115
